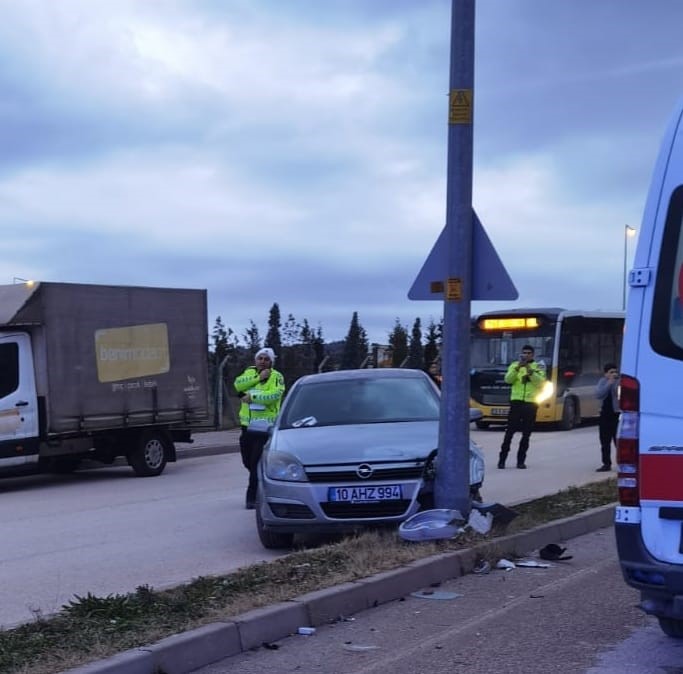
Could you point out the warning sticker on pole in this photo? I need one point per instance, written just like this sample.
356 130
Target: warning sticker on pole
460 106
453 290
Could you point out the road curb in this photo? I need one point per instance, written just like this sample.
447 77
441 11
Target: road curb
185 652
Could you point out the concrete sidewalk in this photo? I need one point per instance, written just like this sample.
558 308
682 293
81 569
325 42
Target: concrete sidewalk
209 443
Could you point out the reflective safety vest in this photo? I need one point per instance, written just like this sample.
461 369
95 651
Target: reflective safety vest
526 382
266 396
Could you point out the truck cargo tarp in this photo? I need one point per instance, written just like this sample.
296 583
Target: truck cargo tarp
114 355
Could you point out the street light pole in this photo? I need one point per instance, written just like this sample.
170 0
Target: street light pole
628 232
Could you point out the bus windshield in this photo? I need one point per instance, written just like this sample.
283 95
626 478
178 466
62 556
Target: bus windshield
499 350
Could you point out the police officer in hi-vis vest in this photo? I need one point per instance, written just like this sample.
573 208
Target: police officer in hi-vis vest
260 388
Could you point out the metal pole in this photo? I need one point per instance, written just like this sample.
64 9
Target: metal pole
218 422
452 479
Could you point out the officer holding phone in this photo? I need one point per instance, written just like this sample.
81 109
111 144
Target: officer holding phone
607 392
526 378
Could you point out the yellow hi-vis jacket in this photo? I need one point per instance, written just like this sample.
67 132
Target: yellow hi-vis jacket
266 396
526 381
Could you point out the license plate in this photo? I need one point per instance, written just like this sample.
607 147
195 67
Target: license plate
365 493
499 411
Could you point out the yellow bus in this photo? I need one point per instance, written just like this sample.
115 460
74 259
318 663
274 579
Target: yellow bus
572 346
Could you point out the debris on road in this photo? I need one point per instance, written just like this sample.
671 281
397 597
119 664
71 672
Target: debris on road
431 594
554 553
480 522
505 564
429 525
501 514
482 567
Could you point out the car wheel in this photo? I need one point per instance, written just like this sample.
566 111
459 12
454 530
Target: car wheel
568 420
672 627
481 425
271 540
149 456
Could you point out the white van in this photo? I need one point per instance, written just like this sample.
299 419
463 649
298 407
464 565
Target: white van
649 518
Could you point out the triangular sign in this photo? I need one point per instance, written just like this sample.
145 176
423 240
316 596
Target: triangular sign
490 280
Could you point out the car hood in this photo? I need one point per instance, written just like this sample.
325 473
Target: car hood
367 442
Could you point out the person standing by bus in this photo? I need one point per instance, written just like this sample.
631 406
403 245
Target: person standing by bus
526 379
606 391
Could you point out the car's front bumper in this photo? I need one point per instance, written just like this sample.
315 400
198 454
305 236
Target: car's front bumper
304 507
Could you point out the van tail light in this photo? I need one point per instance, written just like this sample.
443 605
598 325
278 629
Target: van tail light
628 447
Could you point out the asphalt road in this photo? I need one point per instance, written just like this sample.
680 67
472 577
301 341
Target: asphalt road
576 617
105 531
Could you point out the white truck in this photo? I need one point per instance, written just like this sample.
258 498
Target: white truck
97 372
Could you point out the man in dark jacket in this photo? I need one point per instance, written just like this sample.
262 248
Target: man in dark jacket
606 390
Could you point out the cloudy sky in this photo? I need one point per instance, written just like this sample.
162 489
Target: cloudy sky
294 151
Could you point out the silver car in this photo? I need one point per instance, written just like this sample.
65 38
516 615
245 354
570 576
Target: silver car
349 448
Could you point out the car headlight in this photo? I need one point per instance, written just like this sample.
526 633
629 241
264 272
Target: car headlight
283 466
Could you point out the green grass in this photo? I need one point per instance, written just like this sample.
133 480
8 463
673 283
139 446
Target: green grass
89 628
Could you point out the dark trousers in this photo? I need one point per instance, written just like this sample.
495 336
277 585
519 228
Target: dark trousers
251 448
608 435
521 417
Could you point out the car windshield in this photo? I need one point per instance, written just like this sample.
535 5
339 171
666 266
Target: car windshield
361 401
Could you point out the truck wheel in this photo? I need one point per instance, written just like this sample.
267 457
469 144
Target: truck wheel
568 420
672 627
149 456
271 540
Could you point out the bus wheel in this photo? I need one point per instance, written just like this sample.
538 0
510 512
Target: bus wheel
568 420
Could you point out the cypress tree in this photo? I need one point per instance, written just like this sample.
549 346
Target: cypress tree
355 345
273 339
415 349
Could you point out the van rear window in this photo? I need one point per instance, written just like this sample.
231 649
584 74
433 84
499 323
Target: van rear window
666 329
